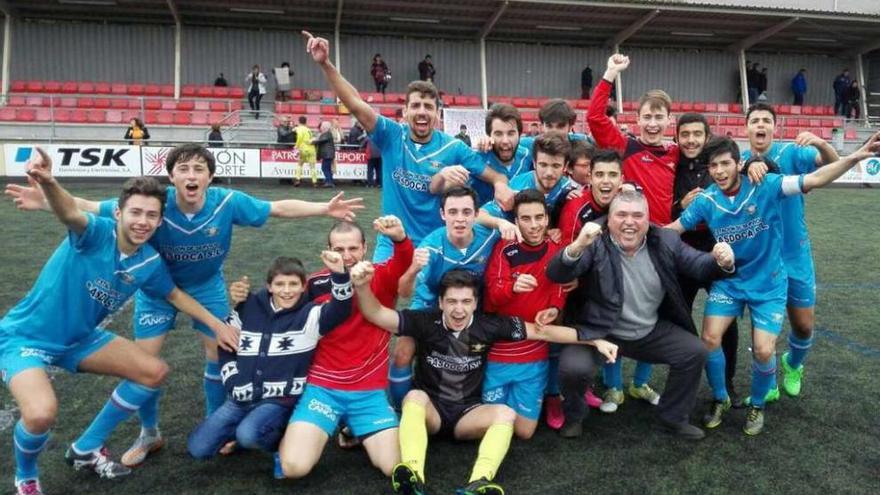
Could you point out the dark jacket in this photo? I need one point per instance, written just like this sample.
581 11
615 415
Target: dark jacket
600 272
275 350
690 174
426 70
131 140
215 139
286 135
326 146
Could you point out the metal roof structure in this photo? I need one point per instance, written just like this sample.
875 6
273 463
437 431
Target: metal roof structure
806 26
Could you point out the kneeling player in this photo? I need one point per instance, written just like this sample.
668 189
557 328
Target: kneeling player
452 345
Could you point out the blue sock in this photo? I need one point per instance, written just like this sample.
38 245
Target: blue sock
552 387
27 447
399 383
715 374
149 413
642 374
612 374
763 378
798 350
215 393
125 400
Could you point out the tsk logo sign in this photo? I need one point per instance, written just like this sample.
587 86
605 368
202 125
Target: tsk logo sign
230 162
77 161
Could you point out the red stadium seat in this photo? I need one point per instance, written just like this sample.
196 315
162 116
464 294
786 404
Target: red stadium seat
632 106
218 106
114 117
313 109
7 114
235 105
297 108
789 133
85 102
370 97
79 116
135 89
25 115
18 87
168 104
166 89
102 102
582 104
103 88
530 116
34 86
152 90
152 104
35 101
796 109
723 108
388 112
687 106
96 116
519 102
52 87
295 94
676 106
61 114
783 109
809 110
182 118
281 107
836 122
204 92
851 134
533 102
137 103
699 106
186 105
202 105
85 88
474 101
814 123
236 92
43 114
16 101
68 102
118 88
736 108
328 109
69 87
119 103
164 118
216 117
711 107
313 121
220 92
200 118
188 90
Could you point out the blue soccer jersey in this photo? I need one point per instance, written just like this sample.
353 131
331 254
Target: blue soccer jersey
520 164
529 181
86 279
793 160
751 222
446 257
407 168
195 246
528 142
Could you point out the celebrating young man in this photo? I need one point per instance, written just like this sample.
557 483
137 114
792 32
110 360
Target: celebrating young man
506 156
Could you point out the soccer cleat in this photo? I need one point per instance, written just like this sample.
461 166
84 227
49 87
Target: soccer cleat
553 411
645 393
791 377
28 487
481 486
772 396
713 418
754 421
99 462
592 399
406 481
612 400
141 449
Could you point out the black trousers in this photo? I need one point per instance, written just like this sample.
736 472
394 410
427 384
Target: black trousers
667 343
730 341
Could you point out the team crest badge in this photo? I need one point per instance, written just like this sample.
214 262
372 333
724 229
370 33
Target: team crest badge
478 348
211 231
126 277
751 209
436 165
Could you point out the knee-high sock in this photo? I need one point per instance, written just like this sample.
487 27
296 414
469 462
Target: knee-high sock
215 394
798 349
125 400
149 413
414 437
612 374
715 374
763 378
27 446
493 448
552 387
399 383
642 374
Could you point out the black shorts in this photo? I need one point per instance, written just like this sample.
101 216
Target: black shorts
450 413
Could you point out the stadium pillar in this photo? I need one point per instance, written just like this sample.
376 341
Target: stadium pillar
7 53
484 86
177 60
619 86
860 75
743 82
336 35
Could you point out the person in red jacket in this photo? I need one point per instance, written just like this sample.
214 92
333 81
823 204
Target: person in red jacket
516 285
648 160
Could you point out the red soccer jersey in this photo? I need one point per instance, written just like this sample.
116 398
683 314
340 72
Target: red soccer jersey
651 167
575 213
354 356
508 261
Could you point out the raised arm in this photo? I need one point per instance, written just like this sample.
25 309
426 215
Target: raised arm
827 153
59 200
827 174
571 262
407 283
449 177
227 336
606 134
319 49
371 308
32 198
342 209
567 335
339 307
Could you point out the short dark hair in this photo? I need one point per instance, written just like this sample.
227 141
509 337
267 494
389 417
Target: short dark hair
423 88
580 149
284 265
693 118
143 186
760 106
459 192
302 119
344 227
557 110
528 196
458 278
505 113
552 143
720 145
608 156
188 151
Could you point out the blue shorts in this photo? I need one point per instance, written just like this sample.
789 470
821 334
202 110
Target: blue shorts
364 411
519 385
156 317
767 313
801 282
20 354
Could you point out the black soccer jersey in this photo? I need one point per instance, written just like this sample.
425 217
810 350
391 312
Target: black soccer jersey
450 364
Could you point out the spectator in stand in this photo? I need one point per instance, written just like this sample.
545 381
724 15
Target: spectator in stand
286 134
841 85
326 152
853 110
762 84
136 134
221 81
799 86
463 135
374 166
215 137
338 136
534 129
380 72
586 82
356 135
426 69
284 94
752 75
255 83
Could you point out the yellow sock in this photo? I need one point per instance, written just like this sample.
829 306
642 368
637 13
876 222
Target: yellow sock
493 448
413 437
